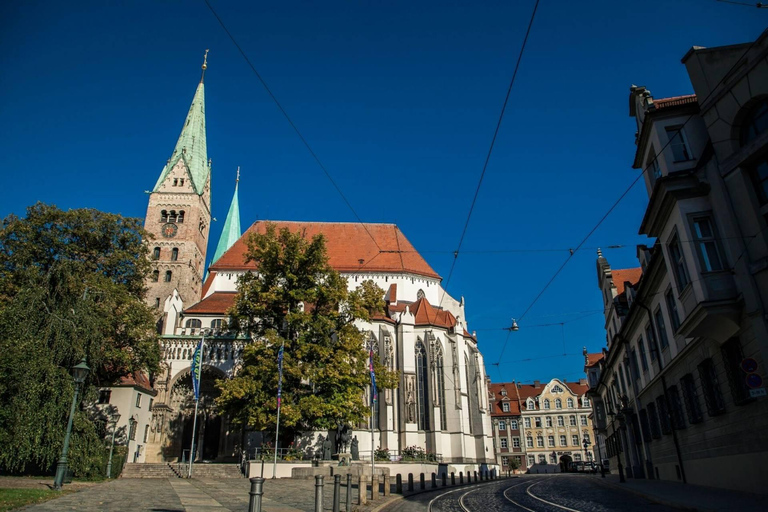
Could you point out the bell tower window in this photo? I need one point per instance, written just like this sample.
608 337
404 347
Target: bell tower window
156 253
164 216
180 218
168 275
175 254
155 276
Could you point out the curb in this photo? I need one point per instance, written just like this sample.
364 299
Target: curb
650 497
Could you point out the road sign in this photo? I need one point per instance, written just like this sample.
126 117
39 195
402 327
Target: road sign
749 365
754 393
754 380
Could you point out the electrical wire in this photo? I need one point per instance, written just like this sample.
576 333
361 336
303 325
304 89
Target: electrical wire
624 194
290 122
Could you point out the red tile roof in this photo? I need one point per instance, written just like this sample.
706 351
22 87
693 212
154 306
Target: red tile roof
425 314
621 276
594 359
674 101
514 403
137 379
578 388
391 294
207 283
216 303
350 246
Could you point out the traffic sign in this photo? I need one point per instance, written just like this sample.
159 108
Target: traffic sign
754 381
749 365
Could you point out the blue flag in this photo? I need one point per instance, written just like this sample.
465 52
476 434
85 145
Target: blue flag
280 376
197 367
374 392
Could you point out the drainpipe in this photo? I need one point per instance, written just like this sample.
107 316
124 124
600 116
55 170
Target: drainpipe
664 390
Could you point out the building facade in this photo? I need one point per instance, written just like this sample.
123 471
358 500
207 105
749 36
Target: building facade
679 393
441 404
507 426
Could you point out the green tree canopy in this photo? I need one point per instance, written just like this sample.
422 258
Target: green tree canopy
295 298
71 286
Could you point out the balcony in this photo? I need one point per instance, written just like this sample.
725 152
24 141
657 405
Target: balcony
666 193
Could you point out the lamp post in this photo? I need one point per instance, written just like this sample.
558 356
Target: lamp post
614 416
115 419
599 453
585 443
79 374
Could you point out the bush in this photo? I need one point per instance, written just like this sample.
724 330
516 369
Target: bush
381 454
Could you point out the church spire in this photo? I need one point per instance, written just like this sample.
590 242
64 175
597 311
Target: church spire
191 146
231 232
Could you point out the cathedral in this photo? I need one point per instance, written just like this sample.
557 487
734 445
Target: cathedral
441 404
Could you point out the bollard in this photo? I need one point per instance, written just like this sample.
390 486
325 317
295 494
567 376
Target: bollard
399 484
318 493
421 482
386 485
445 476
481 475
434 480
475 476
257 491
349 493
410 482
461 478
336 492
453 478
374 487
362 491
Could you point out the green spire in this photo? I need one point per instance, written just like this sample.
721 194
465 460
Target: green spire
231 232
191 146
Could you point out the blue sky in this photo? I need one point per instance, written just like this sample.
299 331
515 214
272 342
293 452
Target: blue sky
399 100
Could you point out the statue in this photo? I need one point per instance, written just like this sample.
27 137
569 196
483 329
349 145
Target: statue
327 448
410 400
342 438
354 449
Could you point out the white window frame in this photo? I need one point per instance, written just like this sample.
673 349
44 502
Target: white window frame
505 407
504 443
686 155
502 425
707 247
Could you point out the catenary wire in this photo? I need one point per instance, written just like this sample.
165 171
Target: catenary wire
624 194
290 122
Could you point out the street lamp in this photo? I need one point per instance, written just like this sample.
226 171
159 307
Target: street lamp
599 453
79 374
115 419
614 416
586 444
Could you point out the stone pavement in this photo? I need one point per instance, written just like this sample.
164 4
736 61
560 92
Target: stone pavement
687 496
199 495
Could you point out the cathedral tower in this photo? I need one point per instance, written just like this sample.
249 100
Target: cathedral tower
179 214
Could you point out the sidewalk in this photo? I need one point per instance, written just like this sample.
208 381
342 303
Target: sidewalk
687 496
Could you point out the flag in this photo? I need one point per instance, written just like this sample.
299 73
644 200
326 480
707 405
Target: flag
280 375
197 367
374 392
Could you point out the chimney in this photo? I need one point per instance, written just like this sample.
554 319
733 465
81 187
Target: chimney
583 382
537 384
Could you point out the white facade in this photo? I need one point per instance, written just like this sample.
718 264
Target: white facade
134 404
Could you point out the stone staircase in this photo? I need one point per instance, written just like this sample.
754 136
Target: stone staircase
170 470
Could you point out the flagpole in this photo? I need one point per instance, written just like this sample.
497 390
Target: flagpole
279 402
374 396
195 370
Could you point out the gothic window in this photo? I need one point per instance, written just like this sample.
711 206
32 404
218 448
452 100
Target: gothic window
421 385
470 382
156 253
440 376
180 218
155 276
193 323
174 254
420 294
168 275
164 216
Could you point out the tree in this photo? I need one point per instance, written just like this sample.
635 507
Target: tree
297 300
71 286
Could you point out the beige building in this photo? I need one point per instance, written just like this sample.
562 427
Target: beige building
555 424
679 394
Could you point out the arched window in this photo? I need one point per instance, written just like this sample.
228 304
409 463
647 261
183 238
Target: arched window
218 323
546 403
180 218
558 403
157 302
470 383
193 323
570 403
755 123
163 216
156 253
155 276
531 406
420 294
421 385
440 377
168 275
172 216
174 254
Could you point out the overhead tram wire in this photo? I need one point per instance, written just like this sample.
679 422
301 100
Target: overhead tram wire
737 63
490 151
290 121
758 5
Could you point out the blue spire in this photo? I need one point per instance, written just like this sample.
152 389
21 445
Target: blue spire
231 232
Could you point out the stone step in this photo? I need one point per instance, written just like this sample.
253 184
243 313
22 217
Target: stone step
170 470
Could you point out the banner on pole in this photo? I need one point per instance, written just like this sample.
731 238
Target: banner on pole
374 392
280 375
197 367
